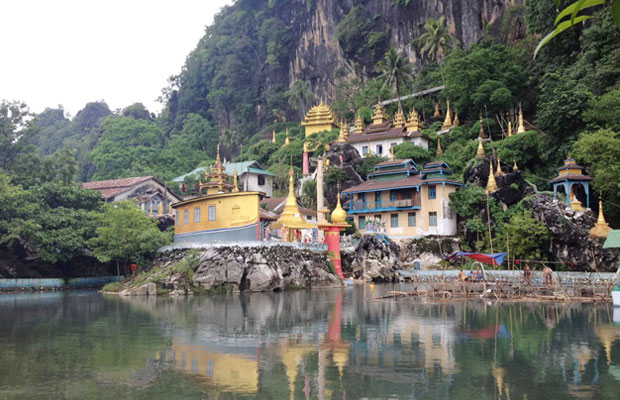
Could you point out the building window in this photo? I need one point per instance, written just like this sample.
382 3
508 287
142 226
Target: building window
364 150
432 218
185 217
411 219
211 213
392 195
177 218
309 218
377 199
261 180
361 222
379 149
432 192
394 220
197 214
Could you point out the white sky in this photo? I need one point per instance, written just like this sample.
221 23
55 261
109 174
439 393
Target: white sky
71 52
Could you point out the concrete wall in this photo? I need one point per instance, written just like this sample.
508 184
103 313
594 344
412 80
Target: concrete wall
249 232
249 182
57 283
387 144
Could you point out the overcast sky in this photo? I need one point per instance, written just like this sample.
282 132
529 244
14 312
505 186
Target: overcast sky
71 52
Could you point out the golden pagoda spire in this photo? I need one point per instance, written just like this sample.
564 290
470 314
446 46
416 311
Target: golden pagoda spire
601 228
481 133
499 171
514 167
480 152
399 118
456 121
287 141
218 160
342 137
509 128
235 181
437 113
413 124
521 128
491 184
378 116
273 137
291 216
439 150
359 124
447 122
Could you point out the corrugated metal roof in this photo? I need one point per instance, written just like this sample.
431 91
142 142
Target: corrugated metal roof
613 240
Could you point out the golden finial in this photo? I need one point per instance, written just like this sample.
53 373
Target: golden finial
437 113
521 128
273 137
481 133
514 167
480 152
456 121
447 122
378 117
359 124
413 124
509 128
151 210
491 184
235 181
399 118
160 208
342 137
601 228
439 150
499 171
217 158
339 215
287 141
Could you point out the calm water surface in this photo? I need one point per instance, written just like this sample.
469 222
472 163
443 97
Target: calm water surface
321 344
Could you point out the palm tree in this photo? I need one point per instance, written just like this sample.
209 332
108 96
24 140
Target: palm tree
396 70
299 95
436 41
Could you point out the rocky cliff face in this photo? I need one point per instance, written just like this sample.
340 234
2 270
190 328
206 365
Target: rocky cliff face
319 56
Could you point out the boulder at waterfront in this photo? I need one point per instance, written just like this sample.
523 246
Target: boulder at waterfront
372 260
234 268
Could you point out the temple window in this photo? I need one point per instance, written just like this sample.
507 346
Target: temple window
177 218
261 180
364 150
392 195
211 213
394 220
411 219
432 192
361 222
197 214
379 149
185 217
432 218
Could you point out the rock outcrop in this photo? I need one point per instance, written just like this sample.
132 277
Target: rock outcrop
571 243
372 260
233 268
428 251
343 155
511 185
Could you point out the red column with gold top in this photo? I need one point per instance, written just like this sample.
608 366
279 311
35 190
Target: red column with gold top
332 236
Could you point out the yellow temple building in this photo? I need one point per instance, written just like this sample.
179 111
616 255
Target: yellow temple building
223 214
319 118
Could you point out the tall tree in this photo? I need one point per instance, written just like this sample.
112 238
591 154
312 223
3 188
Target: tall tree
300 95
436 41
396 70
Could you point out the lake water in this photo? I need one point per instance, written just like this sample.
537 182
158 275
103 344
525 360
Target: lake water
320 344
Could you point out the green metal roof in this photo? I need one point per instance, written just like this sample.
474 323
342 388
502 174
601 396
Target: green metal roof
613 240
241 167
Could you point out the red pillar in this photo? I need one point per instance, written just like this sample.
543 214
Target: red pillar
306 164
332 238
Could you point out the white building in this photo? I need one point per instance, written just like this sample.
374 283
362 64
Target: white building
380 136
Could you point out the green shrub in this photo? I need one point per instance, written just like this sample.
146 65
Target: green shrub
113 287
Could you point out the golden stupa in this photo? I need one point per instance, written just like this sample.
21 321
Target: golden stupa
378 116
399 118
273 137
601 228
319 118
514 167
447 122
499 171
521 128
509 128
480 152
439 150
339 215
291 216
437 113
287 141
344 132
491 184
359 124
456 121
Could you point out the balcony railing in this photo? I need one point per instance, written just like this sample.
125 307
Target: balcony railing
360 205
